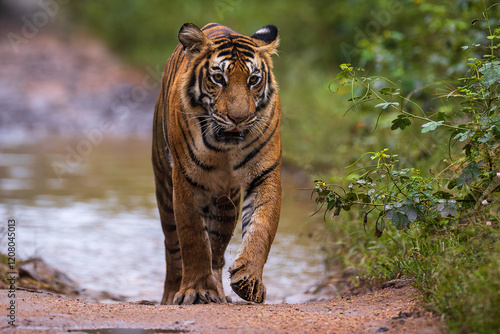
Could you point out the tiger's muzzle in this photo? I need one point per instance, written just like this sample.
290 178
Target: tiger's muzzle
231 137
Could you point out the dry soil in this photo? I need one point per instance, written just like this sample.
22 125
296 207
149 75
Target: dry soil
388 310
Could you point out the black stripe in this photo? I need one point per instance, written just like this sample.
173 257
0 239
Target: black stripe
184 174
162 204
256 151
174 251
250 205
159 164
247 54
265 101
224 53
160 160
186 124
170 228
256 139
258 180
193 99
241 46
204 130
246 207
244 223
246 220
244 41
220 39
226 45
201 75
193 156
246 47
210 26
267 98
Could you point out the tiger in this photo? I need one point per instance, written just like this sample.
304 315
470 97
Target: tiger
216 155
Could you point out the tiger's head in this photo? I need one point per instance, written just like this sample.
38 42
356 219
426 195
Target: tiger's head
229 82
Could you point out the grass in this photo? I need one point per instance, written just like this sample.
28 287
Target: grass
456 268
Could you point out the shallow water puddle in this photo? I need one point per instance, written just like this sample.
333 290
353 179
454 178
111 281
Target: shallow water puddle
94 217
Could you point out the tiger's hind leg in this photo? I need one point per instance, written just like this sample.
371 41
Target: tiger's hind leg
172 248
223 218
174 261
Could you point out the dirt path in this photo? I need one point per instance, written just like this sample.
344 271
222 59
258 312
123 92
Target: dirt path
389 310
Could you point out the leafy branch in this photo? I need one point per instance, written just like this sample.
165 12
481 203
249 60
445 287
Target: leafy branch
470 185
348 76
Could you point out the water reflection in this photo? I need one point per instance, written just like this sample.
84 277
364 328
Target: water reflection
95 218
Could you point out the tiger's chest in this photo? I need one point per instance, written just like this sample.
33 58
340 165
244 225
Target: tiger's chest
212 168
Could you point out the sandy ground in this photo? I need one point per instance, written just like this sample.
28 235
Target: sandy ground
384 311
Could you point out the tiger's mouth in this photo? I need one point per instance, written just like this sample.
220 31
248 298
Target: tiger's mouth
231 136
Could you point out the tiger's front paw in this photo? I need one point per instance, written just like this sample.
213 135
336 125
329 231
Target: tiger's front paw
192 296
204 291
246 284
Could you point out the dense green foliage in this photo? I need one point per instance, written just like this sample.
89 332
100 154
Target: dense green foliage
451 212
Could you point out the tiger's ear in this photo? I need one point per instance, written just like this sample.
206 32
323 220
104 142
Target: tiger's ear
193 40
268 38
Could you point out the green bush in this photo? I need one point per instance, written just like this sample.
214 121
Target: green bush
446 219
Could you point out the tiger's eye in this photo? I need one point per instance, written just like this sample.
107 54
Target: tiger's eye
218 78
253 80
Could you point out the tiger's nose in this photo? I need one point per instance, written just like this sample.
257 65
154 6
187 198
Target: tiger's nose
237 119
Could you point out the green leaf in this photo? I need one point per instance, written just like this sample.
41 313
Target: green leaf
379 228
491 73
440 116
486 138
443 194
351 197
469 173
387 104
431 126
337 210
463 136
364 215
410 212
447 208
331 205
401 122
399 219
365 198
389 91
